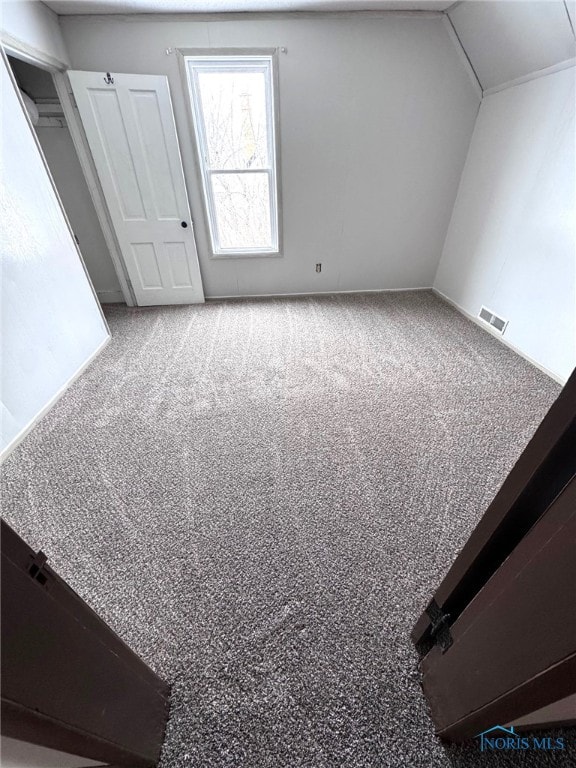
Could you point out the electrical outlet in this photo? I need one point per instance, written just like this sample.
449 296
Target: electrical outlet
318 267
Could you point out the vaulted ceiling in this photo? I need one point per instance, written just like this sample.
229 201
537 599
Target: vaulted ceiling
506 40
503 39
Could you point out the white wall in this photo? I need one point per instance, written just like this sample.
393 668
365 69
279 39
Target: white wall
32 23
376 117
51 321
511 240
67 173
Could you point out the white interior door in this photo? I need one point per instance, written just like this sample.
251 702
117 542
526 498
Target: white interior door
130 128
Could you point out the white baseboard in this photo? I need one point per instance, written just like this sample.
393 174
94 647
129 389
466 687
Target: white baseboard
51 403
110 297
496 335
316 293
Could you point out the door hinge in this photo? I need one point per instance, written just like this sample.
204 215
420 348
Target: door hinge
36 567
440 626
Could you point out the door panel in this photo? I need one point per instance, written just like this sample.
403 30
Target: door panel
130 128
180 271
147 265
68 681
116 155
500 632
544 468
515 633
155 153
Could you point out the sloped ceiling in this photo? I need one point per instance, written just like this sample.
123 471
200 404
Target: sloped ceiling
506 40
503 39
66 7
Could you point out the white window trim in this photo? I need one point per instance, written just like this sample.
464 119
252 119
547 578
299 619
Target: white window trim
226 59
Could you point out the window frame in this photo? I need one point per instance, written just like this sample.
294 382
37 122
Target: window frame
196 59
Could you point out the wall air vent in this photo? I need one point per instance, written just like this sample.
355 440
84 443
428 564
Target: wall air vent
498 323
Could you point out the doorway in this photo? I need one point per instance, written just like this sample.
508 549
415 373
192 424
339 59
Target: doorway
118 172
47 117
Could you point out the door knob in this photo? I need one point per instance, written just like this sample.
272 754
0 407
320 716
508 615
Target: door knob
183 224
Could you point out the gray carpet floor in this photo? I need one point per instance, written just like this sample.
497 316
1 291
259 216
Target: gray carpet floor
260 496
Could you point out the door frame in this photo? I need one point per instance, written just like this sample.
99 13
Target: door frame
513 656
535 502
543 469
58 69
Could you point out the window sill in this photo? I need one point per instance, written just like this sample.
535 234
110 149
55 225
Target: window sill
254 255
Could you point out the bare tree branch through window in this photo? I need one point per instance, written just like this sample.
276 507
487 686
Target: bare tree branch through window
231 100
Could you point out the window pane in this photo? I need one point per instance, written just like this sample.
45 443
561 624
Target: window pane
242 206
234 107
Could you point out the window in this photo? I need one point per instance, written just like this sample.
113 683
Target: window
234 118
